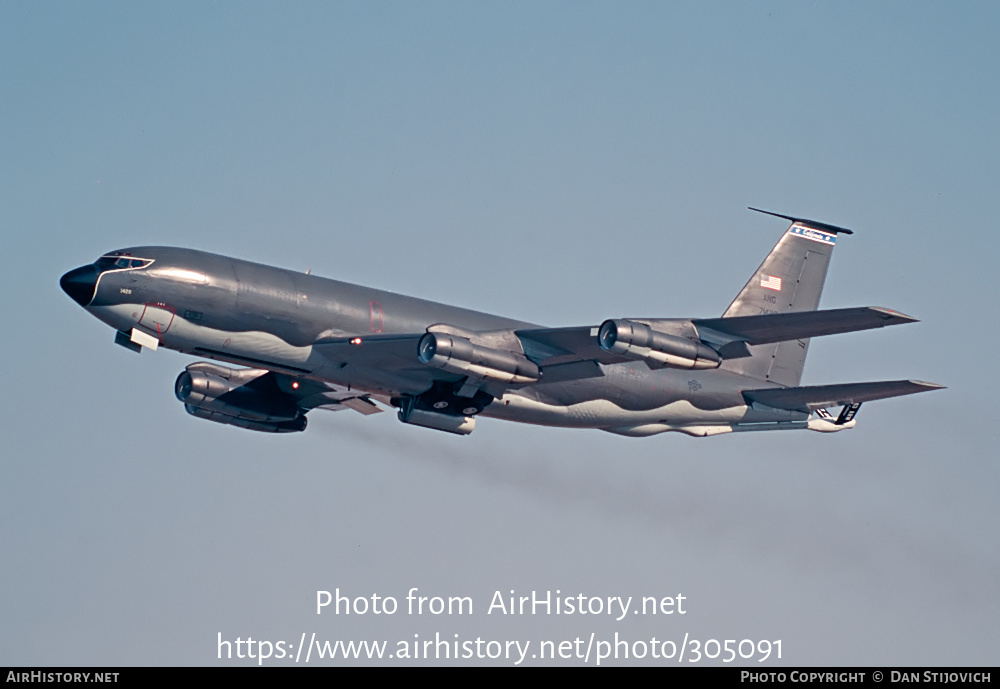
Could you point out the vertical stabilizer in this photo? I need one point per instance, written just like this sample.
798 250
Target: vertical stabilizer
790 279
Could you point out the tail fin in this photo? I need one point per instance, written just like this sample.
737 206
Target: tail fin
790 279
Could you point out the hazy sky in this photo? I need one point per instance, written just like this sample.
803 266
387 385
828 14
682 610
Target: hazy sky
560 163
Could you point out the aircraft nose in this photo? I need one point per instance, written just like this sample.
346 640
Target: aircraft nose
80 284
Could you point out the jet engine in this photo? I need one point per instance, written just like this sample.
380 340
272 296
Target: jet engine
246 398
459 355
638 341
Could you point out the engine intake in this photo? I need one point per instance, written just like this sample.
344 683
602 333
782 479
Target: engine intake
245 398
638 341
459 355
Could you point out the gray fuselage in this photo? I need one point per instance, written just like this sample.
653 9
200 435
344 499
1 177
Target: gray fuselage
271 318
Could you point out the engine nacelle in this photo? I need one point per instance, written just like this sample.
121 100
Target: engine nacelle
460 425
638 341
458 355
242 398
293 426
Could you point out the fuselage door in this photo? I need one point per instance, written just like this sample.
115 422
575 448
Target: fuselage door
157 318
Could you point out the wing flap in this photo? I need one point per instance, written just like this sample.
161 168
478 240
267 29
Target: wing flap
361 404
811 397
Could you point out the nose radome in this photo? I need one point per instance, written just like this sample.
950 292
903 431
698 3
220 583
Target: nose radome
80 284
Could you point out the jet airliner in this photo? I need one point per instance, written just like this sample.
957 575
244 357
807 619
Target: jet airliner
295 342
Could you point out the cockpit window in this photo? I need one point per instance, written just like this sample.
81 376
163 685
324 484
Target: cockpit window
120 260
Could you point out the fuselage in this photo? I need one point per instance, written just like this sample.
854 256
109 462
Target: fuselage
270 318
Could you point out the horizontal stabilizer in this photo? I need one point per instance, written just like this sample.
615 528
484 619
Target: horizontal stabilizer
779 327
826 227
806 399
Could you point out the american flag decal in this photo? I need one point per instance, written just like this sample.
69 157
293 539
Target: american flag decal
770 282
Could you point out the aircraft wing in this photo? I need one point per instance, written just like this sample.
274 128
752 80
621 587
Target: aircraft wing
778 327
390 362
559 347
387 362
566 354
393 351
310 394
556 346
811 397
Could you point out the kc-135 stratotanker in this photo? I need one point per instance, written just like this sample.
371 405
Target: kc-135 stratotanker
304 342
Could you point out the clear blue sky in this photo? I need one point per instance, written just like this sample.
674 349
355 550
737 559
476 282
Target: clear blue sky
562 163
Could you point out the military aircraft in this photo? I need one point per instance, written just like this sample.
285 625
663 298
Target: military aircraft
305 342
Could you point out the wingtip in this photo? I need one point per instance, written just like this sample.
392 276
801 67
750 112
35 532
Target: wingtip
898 316
928 386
